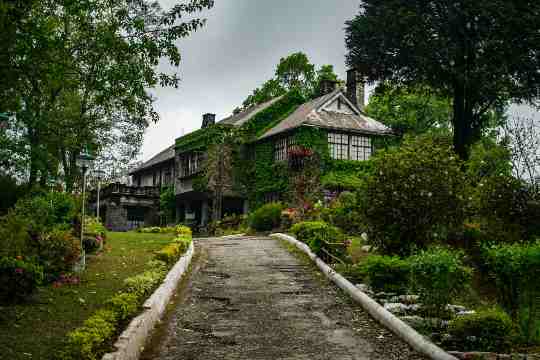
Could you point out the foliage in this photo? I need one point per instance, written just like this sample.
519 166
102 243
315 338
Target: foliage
480 67
47 211
93 226
55 83
124 305
488 330
415 195
18 278
344 212
294 72
439 275
142 284
516 269
85 342
266 218
200 139
507 209
314 233
386 273
180 230
488 158
57 250
411 110
167 203
10 191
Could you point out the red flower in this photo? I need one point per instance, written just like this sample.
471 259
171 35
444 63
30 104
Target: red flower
19 271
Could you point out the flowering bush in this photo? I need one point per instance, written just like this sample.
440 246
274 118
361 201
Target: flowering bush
18 278
416 195
58 251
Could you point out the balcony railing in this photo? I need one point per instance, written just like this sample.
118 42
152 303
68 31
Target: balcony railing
121 189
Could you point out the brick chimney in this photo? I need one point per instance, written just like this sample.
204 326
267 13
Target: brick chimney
208 120
355 88
327 86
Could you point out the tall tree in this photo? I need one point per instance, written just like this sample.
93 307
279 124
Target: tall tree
410 110
82 71
293 72
480 54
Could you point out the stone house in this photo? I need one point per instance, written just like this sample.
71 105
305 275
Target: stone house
267 139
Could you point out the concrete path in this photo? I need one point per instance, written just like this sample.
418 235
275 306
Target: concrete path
250 298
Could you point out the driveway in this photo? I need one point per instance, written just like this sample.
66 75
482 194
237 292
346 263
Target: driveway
251 298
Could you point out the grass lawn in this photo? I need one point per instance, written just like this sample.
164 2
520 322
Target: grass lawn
36 330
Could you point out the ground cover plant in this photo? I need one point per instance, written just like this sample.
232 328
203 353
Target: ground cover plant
66 304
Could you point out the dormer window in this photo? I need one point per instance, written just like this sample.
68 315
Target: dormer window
281 147
190 164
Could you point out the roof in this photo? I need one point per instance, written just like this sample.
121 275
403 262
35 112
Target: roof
165 155
234 120
313 113
243 117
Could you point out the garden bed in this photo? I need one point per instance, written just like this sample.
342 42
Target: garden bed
37 329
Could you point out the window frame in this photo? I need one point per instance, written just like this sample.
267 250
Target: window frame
348 146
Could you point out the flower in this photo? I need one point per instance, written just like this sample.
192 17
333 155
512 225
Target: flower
19 271
19 257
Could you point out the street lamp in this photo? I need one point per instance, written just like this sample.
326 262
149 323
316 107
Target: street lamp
100 174
84 161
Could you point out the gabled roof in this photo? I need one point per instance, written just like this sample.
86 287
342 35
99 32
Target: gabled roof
165 155
244 116
318 113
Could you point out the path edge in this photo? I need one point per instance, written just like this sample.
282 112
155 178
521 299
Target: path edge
132 340
383 316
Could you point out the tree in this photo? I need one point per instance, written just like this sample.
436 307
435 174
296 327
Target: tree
410 110
480 54
293 72
87 67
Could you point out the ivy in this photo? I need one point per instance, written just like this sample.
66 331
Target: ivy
271 116
201 139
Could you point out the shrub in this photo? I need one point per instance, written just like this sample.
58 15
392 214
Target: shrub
386 273
14 237
18 278
124 305
183 242
169 253
144 283
86 342
516 270
416 195
93 226
182 230
489 330
267 217
58 250
48 211
344 213
438 274
507 207
314 233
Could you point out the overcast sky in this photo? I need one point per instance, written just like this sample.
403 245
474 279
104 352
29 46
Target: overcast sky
237 51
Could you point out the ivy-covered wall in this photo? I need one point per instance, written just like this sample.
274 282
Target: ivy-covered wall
255 172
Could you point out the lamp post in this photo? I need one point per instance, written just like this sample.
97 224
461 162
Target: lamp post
84 161
99 175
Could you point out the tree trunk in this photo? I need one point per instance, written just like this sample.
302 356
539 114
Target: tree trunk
462 122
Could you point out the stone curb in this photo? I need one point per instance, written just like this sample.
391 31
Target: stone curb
391 322
131 342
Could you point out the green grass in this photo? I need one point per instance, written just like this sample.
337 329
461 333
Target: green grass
36 330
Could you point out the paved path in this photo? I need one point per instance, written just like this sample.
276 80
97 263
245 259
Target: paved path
250 298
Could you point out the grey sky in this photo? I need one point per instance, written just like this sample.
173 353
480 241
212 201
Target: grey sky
238 50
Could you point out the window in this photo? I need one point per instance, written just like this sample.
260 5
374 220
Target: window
190 164
360 148
281 147
349 147
339 146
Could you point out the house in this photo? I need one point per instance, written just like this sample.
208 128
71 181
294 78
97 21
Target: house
256 156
